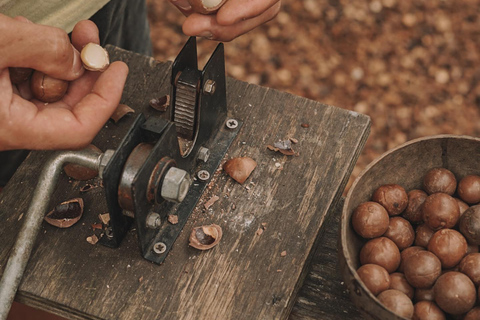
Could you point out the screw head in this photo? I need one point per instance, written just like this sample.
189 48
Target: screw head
209 87
153 221
203 175
231 123
159 247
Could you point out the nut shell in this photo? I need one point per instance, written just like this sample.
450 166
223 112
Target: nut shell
66 214
439 180
424 294
406 253
400 283
449 246
397 302
470 266
413 212
422 269
239 168
423 234
205 237
370 220
427 310
455 293
19 75
470 225
473 314
401 232
47 89
375 278
393 197
440 211
206 6
381 251
469 189
94 57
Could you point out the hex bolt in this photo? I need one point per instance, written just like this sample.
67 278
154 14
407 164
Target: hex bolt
153 221
231 123
209 87
203 175
159 247
203 154
175 185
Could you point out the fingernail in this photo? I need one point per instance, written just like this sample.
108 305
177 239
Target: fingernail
182 4
77 62
206 34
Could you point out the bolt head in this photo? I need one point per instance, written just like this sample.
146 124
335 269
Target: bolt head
209 87
153 221
175 185
203 154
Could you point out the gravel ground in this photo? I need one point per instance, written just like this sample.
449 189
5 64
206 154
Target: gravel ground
412 66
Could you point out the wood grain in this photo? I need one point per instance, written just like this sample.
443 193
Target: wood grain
245 276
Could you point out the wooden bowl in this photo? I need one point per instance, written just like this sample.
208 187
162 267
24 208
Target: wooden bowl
405 165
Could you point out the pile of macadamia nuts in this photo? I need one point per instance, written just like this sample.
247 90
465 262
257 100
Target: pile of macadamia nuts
422 257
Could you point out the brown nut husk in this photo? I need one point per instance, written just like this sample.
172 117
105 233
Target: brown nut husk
393 197
19 75
66 214
239 168
205 237
397 302
455 293
78 172
439 180
470 225
120 112
47 89
206 6
95 57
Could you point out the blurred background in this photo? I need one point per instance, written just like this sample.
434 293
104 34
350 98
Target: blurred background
412 66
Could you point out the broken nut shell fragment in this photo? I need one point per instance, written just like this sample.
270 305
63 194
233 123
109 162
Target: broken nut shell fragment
240 168
94 57
66 214
205 237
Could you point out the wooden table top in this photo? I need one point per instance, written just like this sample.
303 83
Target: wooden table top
246 276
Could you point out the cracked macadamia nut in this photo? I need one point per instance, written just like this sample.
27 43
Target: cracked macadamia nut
397 302
47 89
415 200
370 220
439 180
375 278
469 189
449 246
381 251
401 232
392 197
440 211
455 293
422 269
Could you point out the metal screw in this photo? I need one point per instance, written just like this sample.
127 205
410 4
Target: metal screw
209 87
231 123
109 232
175 185
153 220
203 154
203 175
159 247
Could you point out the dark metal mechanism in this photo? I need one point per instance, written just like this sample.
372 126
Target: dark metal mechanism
148 177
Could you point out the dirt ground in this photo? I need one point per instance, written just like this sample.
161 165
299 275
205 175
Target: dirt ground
412 66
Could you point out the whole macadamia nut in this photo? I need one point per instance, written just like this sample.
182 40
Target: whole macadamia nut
449 246
422 269
46 88
401 232
397 302
381 251
440 211
423 234
375 278
470 266
427 310
473 314
462 206
400 283
472 248
470 225
415 200
392 197
424 294
469 189
439 180
405 254
370 220
455 293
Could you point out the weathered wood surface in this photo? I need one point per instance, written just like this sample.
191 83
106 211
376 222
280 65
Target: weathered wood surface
245 276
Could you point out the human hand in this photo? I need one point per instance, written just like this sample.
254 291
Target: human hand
234 18
91 98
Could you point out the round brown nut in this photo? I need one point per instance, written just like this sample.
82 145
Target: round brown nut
424 294
47 89
400 283
401 232
462 206
381 251
413 211
427 310
422 269
473 314
472 248
393 197
455 293
440 211
469 189
405 254
449 246
470 266
423 235
397 302
440 180
470 225
370 220
375 278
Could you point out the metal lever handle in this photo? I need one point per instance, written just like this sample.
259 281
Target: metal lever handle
17 262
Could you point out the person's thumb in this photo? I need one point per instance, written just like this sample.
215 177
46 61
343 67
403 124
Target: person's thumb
39 47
